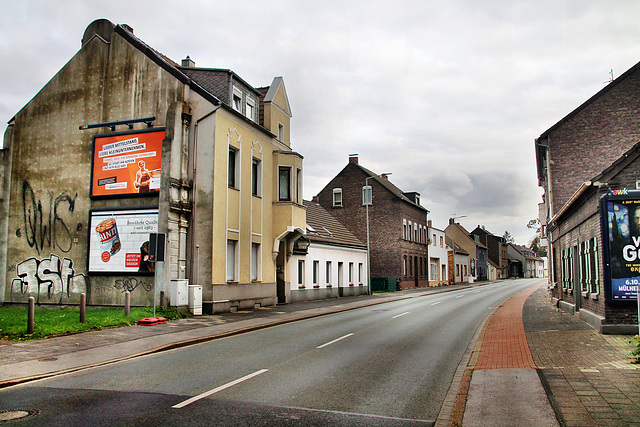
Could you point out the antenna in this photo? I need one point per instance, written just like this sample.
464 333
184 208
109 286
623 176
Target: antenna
610 77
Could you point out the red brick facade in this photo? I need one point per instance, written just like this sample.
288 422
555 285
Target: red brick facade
393 254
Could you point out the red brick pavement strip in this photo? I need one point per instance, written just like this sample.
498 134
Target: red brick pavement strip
504 345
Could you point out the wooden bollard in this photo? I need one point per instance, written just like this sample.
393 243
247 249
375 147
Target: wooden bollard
31 315
83 307
127 303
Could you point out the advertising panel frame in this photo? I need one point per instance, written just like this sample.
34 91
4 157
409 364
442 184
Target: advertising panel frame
620 245
124 167
119 242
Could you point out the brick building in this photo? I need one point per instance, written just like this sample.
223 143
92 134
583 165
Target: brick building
589 154
497 250
398 231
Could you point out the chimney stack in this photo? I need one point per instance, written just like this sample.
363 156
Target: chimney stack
188 62
353 158
315 199
127 27
385 176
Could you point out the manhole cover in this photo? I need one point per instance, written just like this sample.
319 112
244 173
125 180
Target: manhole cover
13 415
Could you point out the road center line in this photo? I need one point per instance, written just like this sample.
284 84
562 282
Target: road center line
218 389
460 296
334 341
436 303
395 317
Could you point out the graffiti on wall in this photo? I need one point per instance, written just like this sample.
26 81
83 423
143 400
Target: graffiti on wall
130 284
44 220
48 280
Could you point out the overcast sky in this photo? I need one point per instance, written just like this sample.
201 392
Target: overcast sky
447 96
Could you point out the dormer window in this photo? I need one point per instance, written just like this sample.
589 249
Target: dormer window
251 109
237 99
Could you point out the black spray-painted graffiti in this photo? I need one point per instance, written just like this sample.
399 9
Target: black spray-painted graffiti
130 284
44 224
49 280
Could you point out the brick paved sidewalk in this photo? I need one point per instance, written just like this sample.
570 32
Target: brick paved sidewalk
589 378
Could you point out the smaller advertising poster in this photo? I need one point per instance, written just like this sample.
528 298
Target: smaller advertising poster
622 216
119 240
127 163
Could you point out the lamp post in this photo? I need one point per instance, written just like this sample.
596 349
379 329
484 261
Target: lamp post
367 196
453 243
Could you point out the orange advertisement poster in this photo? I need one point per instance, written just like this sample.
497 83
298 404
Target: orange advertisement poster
127 164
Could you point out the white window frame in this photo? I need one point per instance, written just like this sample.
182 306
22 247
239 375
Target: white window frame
328 272
232 263
236 168
337 203
367 195
289 189
256 177
316 271
255 262
250 109
301 273
280 132
236 99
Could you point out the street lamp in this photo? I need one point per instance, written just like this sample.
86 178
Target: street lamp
453 243
367 199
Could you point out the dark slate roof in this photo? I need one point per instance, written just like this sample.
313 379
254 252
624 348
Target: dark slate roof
392 188
323 227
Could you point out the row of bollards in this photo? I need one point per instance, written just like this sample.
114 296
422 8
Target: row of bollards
83 309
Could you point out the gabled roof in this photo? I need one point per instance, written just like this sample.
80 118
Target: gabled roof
459 249
389 186
323 227
466 233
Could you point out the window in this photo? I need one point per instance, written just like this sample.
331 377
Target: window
256 177
404 265
255 261
301 273
567 269
316 267
280 132
415 233
404 229
231 260
350 272
251 109
233 162
360 272
299 186
420 233
284 181
328 273
366 195
434 241
409 231
237 99
337 197
434 270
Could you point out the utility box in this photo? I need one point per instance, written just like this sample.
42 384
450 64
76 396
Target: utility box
179 292
195 300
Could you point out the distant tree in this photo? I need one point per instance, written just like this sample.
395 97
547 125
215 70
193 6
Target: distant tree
508 238
534 244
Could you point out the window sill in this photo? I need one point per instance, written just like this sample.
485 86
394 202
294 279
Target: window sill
316 286
329 285
233 188
585 294
301 287
595 296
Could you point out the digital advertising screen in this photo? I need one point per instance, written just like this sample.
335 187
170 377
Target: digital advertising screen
621 232
119 240
127 164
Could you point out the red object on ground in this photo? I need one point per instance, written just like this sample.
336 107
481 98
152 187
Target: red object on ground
151 321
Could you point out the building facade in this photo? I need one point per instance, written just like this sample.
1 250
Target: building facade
477 267
329 261
123 142
439 253
582 160
497 250
398 233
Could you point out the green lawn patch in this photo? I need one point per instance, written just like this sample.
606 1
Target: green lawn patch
58 321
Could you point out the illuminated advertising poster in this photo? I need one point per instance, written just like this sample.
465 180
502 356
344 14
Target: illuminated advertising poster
622 231
127 164
119 240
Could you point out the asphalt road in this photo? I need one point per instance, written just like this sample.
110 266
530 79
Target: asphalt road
389 364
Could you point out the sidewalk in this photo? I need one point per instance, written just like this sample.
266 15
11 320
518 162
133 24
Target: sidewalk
534 365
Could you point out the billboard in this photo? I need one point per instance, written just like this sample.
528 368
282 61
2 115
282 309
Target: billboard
127 163
119 240
621 234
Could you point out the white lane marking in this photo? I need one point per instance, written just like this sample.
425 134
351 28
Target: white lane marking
475 292
334 341
399 315
460 296
436 303
218 389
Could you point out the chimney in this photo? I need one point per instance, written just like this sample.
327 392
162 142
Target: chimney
315 199
353 158
188 62
127 27
429 223
385 176
452 221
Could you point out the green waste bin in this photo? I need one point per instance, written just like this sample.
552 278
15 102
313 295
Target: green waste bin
384 284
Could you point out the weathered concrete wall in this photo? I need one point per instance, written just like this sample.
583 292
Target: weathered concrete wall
48 227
